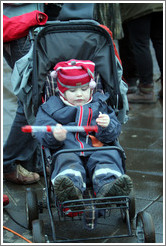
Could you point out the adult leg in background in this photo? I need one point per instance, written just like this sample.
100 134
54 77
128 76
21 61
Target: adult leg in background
139 33
157 40
20 148
130 73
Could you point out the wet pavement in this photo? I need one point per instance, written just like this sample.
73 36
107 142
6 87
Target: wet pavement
142 140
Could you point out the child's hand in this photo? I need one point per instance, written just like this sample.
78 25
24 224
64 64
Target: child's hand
103 120
59 133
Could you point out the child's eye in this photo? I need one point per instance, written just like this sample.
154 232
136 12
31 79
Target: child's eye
72 90
84 88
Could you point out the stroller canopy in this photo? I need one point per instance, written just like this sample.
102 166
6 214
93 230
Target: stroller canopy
79 39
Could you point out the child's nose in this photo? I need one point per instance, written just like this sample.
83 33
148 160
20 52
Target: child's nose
79 92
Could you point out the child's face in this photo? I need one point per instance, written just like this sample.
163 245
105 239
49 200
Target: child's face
78 96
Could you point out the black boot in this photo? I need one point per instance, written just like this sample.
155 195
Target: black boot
144 94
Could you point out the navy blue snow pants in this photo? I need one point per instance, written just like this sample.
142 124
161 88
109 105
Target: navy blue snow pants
102 167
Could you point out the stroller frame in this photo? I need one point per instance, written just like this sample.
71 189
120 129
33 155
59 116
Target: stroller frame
144 231
125 204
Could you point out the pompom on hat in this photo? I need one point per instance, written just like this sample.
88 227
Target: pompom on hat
74 73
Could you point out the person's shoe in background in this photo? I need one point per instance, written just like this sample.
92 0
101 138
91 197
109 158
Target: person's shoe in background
144 94
22 176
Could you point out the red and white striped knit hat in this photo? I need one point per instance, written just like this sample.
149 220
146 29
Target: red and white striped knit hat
74 73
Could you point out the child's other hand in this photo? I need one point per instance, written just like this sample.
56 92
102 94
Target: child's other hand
59 133
103 120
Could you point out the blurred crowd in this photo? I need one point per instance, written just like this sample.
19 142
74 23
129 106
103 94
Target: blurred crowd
136 26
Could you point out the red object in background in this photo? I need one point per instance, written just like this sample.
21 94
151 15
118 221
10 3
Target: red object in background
18 26
115 49
5 200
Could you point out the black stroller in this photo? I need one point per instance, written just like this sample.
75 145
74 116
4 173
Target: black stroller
82 39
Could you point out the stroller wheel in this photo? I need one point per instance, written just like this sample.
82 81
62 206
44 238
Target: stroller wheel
31 206
38 231
145 231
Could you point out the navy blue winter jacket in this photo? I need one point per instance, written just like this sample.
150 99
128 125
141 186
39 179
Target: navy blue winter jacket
55 111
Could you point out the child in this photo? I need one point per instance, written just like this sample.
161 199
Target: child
76 105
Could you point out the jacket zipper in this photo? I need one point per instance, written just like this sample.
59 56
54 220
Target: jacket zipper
89 122
77 134
79 124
